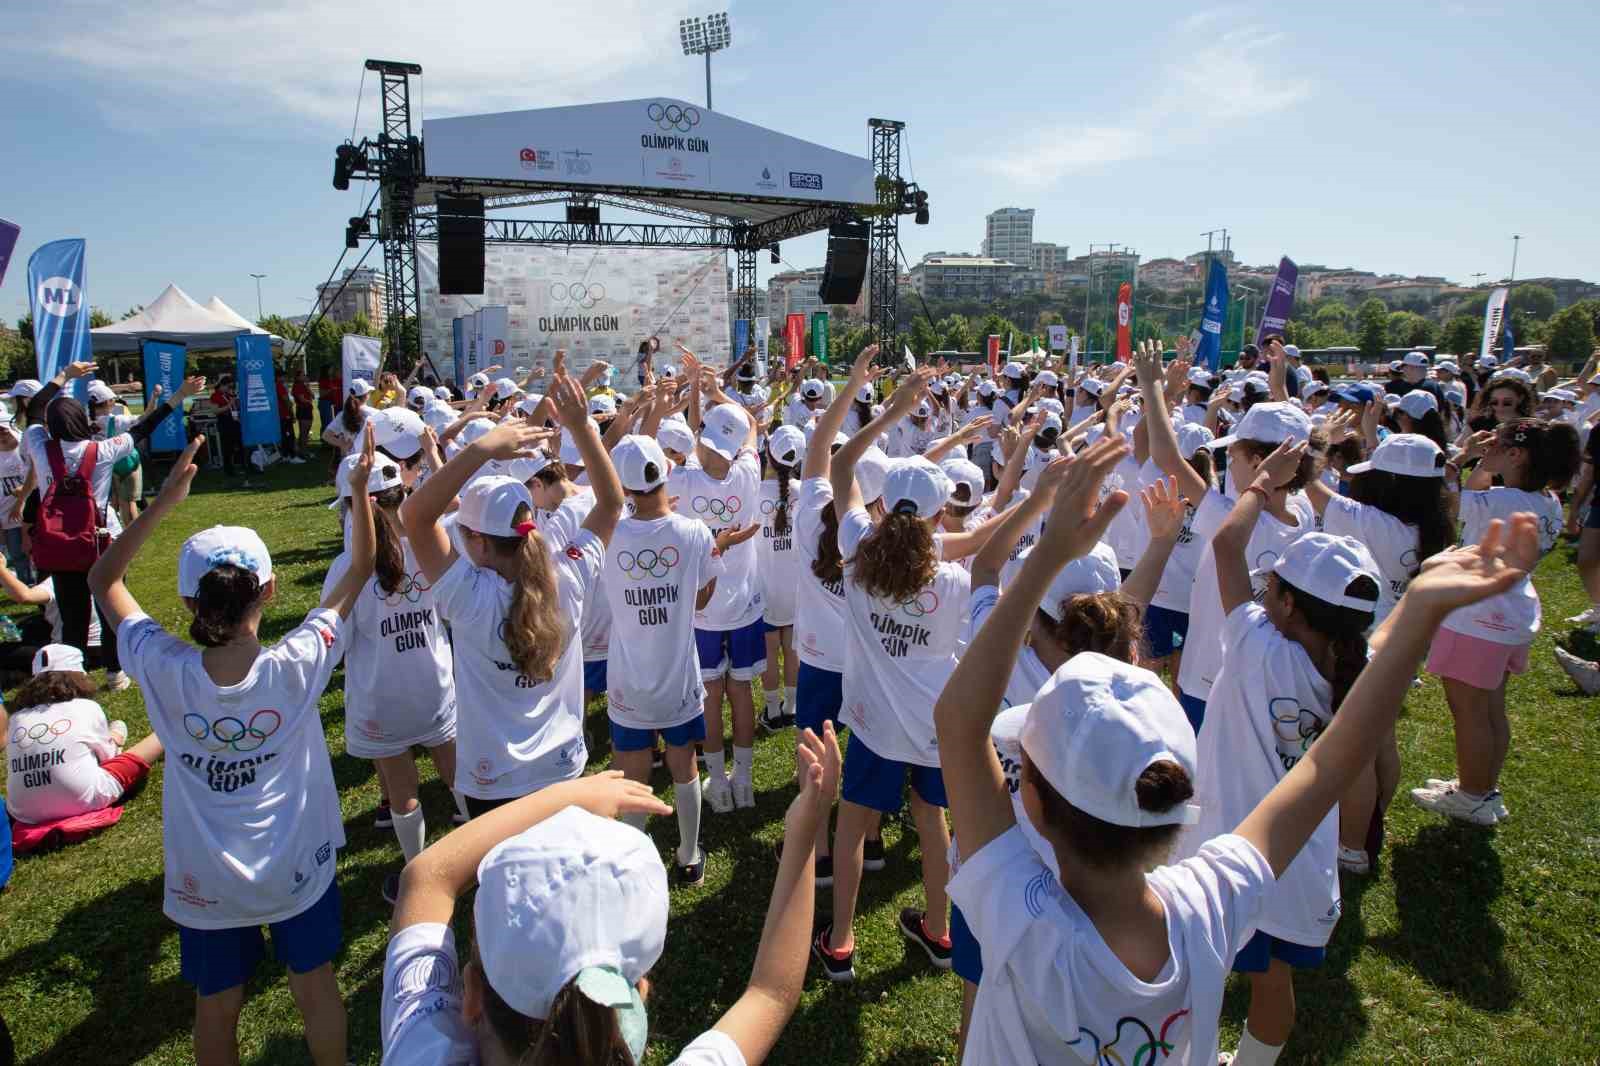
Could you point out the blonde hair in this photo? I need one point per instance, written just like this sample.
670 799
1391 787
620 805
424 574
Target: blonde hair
535 632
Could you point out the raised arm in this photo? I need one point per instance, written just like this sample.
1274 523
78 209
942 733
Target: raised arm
1017 521
846 495
1231 543
573 411
107 575
39 402
1163 439
18 592
831 421
1016 459
1277 371
151 419
1164 512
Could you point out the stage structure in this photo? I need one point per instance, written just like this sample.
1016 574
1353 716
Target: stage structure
713 181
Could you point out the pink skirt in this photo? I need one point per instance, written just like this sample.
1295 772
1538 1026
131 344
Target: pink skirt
1474 661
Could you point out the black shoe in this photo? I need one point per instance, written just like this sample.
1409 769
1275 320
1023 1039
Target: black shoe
385 818
914 927
822 868
391 889
836 968
690 874
872 854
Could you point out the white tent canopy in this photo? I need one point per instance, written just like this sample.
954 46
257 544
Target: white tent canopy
175 316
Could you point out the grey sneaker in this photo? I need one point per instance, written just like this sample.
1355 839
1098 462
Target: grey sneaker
119 732
1584 674
1458 805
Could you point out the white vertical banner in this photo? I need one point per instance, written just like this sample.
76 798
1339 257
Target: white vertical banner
1493 315
1072 367
493 336
1058 338
763 334
360 357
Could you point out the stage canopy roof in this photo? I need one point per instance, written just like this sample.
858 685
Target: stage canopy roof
669 152
175 316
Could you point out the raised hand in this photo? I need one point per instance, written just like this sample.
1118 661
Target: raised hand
73 371
1164 509
176 488
861 370
1278 469
611 795
193 386
1455 578
732 536
361 469
515 438
1147 364
572 409
1079 516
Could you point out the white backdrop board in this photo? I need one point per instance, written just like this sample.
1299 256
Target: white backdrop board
597 303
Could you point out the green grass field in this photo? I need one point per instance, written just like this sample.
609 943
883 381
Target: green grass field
1466 946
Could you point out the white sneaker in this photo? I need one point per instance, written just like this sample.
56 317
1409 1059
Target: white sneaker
1439 784
1589 617
119 732
1354 861
1584 674
718 793
1456 804
117 681
744 794
1497 804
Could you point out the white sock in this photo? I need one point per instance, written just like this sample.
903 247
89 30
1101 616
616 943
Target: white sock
461 803
789 703
770 702
412 830
635 819
1253 1052
744 760
717 763
688 797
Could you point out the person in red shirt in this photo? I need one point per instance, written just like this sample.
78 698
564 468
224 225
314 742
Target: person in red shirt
303 411
286 442
226 404
330 393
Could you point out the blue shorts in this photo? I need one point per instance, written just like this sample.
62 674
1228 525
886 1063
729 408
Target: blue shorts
215 960
738 653
872 781
818 695
594 676
1164 630
626 738
1195 708
965 958
1262 948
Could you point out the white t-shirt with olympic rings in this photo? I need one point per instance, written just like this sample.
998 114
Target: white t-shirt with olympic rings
53 757
654 570
249 813
725 504
898 655
399 685
779 572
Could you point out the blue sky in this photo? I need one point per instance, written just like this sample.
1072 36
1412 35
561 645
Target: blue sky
193 142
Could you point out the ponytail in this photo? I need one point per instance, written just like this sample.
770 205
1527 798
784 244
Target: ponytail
579 1031
780 514
1103 845
222 602
390 562
897 559
535 633
828 567
351 415
1345 628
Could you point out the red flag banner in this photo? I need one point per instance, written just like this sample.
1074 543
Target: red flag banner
992 349
794 339
1124 321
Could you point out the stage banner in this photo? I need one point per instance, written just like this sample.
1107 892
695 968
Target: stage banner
164 365
1124 321
1072 365
741 338
819 336
991 353
9 232
458 350
258 394
597 303
494 342
60 307
1280 301
473 335
359 357
794 339
1058 338
1209 351
763 336
1493 315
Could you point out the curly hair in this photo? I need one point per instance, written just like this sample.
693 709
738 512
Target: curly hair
898 559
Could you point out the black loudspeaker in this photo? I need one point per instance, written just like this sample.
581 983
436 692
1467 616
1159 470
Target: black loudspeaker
579 215
846 267
460 245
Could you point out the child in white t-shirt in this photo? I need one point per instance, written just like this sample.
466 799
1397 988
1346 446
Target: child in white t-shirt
513 604
1108 764
14 475
779 565
660 568
1287 665
1478 649
560 507
63 758
569 916
249 809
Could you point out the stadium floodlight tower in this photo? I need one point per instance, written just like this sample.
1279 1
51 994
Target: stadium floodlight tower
704 36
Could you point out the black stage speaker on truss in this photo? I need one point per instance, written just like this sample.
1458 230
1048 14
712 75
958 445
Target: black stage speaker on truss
460 245
846 266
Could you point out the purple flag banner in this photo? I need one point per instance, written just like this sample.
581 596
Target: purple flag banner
1280 301
9 232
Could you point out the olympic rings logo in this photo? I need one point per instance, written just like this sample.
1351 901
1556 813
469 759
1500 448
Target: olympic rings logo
584 295
673 117
409 590
229 732
769 506
717 509
40 733
1295 726
647 562
921 605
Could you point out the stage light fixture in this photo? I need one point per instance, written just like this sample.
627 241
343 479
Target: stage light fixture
776 258
346 158
351 238
922 208
704 36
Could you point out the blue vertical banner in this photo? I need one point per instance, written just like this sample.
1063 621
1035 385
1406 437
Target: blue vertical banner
164 363
60 306
458 340
258 393
741 338
1209 352
9 232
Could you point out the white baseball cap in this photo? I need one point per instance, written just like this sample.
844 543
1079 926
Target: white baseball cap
602 405
1418 402
872 469
1192 436
915 485
24 388
58 659
1391 400
1051 426
1292 351
418 397
575 898
100 392
1269 423
986 388
1324 565
1013 370
641 464
1488 361
489 505
504 387
519 469
341 479
443 393
863 394
477 381
1395 365
936 387
1414 359
812 389
1098 724
1456 393
1047 378
221 546
787 445
1091 573
922 410
1447 366
1093 386
530 403
1200 377
1410 454
360 386
438 416
724 429
1564 395
675 433
383 476
397 430
963 472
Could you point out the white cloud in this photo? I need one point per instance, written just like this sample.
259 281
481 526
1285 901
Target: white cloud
1235 77
256 66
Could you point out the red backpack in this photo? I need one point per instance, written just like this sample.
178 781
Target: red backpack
68 534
